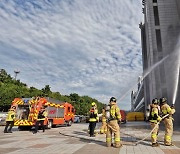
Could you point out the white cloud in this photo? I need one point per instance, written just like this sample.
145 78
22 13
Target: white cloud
83 46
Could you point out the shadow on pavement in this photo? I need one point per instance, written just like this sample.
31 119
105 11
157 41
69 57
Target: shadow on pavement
86 140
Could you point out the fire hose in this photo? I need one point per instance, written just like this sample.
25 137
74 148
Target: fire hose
136 143
151 130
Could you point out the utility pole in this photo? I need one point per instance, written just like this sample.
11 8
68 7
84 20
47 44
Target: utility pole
16 73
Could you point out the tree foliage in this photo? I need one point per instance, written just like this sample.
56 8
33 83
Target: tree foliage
11 88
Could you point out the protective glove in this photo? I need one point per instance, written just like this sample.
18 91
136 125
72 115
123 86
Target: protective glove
119 122
173 106
159 119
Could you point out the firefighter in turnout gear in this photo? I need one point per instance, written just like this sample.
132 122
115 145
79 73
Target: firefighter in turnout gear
154 118
168 121
42 115
93 118
103 128
10 119
113 118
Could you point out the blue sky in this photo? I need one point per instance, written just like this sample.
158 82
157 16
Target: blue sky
89 47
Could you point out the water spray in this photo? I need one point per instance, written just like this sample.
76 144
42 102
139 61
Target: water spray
177 77
145 75
176 88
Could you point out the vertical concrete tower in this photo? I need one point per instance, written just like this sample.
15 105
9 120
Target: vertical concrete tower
160 35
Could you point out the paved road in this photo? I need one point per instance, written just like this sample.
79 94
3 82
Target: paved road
75 140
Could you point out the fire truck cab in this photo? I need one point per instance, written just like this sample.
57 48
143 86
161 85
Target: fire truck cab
59 112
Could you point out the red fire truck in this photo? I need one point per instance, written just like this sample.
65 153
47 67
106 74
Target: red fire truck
59 112
123 116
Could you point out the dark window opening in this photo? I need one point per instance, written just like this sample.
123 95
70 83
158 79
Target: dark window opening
73 110
154 1
69 109
158 40
156 15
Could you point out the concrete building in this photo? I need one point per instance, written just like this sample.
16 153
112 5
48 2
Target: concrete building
160 34
137 97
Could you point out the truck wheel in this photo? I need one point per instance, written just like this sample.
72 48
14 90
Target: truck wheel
49 125
53 126
21 128
69 123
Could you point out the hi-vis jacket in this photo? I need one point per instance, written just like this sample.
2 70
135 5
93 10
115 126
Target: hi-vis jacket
115 112
103 115
42 115
93 115
166 109
154 114
11 115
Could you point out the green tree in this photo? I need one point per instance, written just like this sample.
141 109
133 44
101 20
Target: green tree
46 90
10 89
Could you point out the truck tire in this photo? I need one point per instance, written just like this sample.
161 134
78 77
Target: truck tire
69 123
50 124
21 128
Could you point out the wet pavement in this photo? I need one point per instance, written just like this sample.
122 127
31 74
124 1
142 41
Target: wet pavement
75 140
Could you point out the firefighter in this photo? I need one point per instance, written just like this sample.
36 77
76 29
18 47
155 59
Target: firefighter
154 118
168 121
42 115
10 119
113 119
103 128
93 118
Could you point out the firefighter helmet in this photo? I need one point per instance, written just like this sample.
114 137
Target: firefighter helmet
93 104
13 107
155 101
112 99
163 100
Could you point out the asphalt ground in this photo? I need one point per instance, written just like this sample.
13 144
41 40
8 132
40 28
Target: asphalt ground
75 140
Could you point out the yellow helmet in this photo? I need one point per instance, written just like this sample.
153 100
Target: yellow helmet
93 104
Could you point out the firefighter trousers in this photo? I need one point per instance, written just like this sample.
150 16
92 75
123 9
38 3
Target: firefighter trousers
103 128
8 123
41 122
154 133
168 122
92 126
113 128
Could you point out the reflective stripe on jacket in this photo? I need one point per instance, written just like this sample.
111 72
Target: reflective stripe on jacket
115 112
166 109
103 115
42 116
155 114
93 115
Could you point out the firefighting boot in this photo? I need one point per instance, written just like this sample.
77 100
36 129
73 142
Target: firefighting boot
118 145
155 144
169 144
108 144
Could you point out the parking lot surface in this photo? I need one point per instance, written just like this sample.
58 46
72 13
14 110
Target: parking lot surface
75 140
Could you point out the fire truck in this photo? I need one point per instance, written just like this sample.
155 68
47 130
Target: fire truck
59 112
123 116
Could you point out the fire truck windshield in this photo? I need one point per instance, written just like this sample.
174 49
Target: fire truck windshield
23 112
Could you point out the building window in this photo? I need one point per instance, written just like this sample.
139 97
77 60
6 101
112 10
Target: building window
156 15
154 1
158 40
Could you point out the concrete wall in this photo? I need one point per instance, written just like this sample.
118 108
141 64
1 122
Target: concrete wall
161 41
